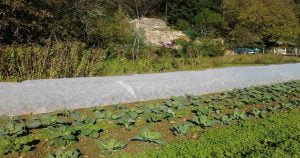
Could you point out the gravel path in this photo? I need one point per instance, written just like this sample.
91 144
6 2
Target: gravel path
40 96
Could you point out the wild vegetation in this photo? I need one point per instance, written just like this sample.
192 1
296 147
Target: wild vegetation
68 39
130 128
73 60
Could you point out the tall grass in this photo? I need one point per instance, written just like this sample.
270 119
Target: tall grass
72 59
148 65
59 60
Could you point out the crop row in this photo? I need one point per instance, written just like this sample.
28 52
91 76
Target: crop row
66 127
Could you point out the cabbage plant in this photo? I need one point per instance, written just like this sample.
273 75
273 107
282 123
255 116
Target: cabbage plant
148 136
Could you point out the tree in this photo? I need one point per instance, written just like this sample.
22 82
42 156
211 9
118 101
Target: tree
270 21
27 21
208 22
242 37
134 8
22 20
203 16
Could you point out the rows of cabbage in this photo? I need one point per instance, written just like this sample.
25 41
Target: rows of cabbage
66 127
277 136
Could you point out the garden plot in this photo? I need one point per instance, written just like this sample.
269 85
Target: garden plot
112 130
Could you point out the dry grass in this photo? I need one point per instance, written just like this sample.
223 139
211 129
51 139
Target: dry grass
18 63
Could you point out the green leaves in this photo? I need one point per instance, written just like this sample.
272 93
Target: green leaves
62 136
147 136
159 113
73 153
127 117
176 103
258 113
204 121
239 116
181 129
44 121
202 110
126 122
226 119
110 146
13 127
103 114
78 117
16 144
91 130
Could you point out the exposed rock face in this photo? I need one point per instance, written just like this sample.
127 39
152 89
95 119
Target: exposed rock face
156 31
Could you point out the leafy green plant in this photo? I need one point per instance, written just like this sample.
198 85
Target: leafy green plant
62 136
288 106
44 121
158 117
91 130
102 114
215 107
13 126
155 118
181 129
204 121
63 141
237 104
158 113
110 146
73 153
258 113
127 117
202 110
273 109
119 107
193 100
147 136
176 103
78 117
126 121
16 144
226 119
239 116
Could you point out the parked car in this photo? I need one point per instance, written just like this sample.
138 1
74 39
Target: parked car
247 50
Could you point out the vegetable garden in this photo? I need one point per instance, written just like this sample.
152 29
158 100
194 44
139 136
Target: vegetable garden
113 130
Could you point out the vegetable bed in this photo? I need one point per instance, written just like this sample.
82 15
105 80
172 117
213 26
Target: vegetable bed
275 136
117 129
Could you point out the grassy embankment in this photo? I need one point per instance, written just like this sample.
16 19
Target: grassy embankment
120 67
19 63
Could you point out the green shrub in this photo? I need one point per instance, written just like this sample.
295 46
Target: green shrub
182 24
204 48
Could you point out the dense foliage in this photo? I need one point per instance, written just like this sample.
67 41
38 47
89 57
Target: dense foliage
50 20
72 36
261 22
102 23
201 18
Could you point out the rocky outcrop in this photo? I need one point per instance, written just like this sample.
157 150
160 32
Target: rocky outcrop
156 31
